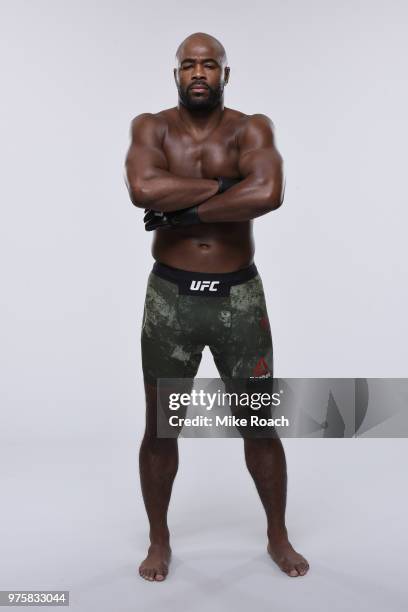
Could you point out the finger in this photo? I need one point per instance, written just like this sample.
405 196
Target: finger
154 224
149 216
154 214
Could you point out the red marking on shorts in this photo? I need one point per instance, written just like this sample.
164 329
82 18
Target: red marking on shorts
261 367
264 321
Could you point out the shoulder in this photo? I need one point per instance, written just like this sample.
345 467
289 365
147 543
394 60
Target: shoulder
259 122
151 125
258 129
252 130
246 119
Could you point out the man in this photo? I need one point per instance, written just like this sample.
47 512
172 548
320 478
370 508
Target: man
202 172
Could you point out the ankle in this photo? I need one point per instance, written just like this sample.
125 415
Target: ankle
160 537
277 533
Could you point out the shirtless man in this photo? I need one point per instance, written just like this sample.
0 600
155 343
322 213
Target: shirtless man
202 172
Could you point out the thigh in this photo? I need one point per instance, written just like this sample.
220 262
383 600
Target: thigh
168 349
245 360
158 409
248 351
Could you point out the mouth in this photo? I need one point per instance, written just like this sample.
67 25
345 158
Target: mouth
199 88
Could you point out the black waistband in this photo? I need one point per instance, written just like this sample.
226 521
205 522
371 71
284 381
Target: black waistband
204 283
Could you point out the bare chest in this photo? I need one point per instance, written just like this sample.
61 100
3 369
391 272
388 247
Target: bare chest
208 157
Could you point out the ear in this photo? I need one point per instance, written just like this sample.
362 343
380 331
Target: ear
175 74
226 74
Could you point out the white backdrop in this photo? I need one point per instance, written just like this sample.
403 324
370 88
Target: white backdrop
75 259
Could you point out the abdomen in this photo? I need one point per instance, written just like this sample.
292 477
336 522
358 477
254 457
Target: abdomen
210 247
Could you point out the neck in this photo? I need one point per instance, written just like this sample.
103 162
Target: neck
201 118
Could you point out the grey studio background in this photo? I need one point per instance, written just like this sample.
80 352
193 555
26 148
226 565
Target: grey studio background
74 265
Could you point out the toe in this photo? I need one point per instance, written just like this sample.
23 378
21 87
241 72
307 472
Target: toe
289 569
302 568
161 573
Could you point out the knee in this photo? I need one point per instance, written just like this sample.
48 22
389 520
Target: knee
153 444
262 445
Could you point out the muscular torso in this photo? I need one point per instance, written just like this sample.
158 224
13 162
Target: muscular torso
207 247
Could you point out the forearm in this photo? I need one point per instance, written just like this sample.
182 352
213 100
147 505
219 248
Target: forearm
167 192
248 199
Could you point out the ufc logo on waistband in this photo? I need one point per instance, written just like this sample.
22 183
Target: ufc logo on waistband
203 285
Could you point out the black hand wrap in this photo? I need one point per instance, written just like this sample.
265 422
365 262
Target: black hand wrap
187 216
225 183
168 220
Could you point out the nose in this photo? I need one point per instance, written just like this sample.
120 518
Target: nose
198 73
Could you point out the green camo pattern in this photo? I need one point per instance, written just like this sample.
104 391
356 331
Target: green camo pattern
176 328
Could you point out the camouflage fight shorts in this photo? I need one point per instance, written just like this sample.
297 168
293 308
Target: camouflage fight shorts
186 311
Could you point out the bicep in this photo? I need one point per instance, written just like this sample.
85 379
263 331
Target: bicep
258 155
145 155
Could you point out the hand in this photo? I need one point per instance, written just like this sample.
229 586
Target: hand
154 219
225 183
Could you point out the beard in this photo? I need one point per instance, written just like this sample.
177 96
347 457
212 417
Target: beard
204 102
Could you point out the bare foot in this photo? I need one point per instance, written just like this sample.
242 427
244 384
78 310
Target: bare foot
156 565
286 557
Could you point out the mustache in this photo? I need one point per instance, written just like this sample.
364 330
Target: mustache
198 85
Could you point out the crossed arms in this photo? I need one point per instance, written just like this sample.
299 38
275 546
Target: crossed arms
151 185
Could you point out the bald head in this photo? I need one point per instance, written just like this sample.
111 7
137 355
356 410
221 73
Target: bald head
201 72
202 44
